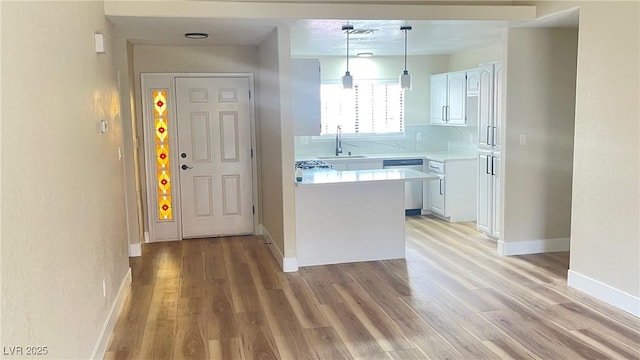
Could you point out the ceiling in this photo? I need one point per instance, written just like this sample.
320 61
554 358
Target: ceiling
326 38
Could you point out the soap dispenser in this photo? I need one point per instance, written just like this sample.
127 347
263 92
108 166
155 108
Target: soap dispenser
298 175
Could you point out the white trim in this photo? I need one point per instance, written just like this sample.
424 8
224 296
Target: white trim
146 237
604 292
146 80
135 250
286 264
110 322
532 246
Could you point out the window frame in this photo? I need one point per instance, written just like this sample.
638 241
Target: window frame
400 135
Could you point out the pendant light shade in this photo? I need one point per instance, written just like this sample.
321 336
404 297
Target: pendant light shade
347 79
405 78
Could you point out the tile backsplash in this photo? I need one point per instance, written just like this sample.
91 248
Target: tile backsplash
416 139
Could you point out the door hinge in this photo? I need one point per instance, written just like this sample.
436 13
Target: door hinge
253 209
249 94
251 152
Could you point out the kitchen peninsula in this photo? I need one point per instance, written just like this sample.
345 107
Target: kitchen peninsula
349 216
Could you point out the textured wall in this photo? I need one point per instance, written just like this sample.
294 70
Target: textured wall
64 227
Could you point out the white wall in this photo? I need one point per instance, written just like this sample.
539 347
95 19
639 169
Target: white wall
470 59
540 71
276 141
123 61
605 235
64 227
390 68
186 59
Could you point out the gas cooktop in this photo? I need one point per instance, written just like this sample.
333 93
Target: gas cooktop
312 164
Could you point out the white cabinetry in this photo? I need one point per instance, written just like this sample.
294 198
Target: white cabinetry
490 106
448 98
489 125
453 195
305 96
489 193
473 82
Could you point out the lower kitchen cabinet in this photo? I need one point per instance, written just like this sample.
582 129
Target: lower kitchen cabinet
453 196
488 220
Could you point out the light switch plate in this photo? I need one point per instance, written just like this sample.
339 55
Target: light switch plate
99 41
523 139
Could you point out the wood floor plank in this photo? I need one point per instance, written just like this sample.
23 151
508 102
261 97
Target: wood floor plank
302 301
285 325
453 297
158 340
406 354
191 338
325 343
225 349
256 341
374 319
360 343
219 313
456 335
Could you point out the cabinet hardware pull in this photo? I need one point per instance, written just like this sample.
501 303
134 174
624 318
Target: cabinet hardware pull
441 183
486 169
493 136
488 130
444 116
492 165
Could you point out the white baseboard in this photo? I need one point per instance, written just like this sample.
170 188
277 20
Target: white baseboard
110 322
604 292
286 264
533 246
135 250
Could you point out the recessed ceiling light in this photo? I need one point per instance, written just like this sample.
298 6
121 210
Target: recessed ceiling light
196 35
365 54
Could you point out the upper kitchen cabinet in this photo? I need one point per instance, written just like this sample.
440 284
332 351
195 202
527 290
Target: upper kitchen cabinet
490 106
305 96
473 82
448 98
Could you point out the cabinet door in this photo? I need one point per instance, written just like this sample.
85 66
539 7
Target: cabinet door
497 101
438 99
305 96
485 188
495 211
485 106
473 82
457 96
436 195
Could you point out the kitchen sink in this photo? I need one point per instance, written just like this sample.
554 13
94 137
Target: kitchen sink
341 157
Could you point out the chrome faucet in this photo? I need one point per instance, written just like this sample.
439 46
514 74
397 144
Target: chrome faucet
339 140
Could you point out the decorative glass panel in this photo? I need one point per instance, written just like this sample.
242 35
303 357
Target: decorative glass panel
162 154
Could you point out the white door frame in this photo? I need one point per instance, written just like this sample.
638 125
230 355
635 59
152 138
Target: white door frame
168 79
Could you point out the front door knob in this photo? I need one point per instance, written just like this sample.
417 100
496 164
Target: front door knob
185 167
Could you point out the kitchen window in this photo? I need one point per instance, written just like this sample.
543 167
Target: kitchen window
371 107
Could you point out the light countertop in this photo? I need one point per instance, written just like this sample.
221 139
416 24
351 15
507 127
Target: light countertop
442 156
330 176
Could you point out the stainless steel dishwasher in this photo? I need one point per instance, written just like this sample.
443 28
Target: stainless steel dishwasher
412 190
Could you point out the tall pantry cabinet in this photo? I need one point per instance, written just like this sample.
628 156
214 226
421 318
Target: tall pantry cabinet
489 125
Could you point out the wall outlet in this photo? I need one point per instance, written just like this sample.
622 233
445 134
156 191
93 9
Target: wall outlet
523 139
104 287
418 136
304 140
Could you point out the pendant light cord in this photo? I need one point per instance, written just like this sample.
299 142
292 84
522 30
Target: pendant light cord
347 50
405 49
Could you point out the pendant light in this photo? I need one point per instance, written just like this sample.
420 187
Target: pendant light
347 79
405 78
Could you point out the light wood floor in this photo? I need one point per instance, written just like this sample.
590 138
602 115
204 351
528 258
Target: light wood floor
452 298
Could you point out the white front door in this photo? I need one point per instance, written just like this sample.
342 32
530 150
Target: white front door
214 137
